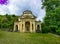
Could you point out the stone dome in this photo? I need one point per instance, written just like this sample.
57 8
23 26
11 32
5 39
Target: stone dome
27 12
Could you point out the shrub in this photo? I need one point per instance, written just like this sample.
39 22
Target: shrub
58 31
53 28
45 29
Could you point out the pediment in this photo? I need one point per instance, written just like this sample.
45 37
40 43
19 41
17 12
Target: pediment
27 14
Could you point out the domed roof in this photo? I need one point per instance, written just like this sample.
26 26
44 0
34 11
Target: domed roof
27 12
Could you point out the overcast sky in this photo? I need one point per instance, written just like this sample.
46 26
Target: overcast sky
18 6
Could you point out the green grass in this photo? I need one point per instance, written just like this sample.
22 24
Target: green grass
27 38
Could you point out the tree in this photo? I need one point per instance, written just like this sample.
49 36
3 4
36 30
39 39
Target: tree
7 21
52 18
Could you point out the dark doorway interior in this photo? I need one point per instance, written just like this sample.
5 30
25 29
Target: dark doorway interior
16 28
38 29
27 26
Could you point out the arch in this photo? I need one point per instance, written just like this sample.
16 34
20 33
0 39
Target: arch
38 29
16 28
27 26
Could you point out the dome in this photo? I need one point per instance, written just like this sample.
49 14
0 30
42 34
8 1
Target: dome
27 12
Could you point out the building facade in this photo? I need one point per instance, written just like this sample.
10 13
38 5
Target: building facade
27 23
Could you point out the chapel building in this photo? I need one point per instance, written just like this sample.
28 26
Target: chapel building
27 23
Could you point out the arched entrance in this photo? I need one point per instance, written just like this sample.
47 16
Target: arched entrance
27 26
38 29
16 28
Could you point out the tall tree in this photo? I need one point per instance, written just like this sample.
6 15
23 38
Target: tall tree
7 21
52 18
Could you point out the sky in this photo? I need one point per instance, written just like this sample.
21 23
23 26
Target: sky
18 6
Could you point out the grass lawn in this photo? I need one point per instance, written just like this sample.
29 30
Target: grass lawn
27 38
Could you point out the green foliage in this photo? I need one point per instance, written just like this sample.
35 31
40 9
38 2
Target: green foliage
45 29
58 31
52 18
7 21
50 5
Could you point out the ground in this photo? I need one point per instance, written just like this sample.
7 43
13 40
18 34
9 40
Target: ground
28 38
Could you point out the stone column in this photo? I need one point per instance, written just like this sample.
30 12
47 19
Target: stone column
23 26
40 27
20 27
30 26
34 27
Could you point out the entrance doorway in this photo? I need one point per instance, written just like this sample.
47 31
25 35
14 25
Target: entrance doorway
27 26
38 29
16 28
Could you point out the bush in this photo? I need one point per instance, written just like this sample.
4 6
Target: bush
53 28
45 29
58 31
